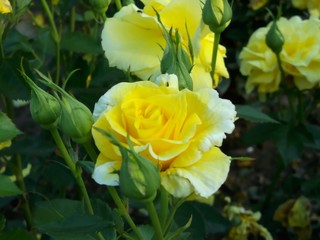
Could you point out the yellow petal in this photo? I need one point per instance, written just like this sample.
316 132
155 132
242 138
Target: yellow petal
204 177
5 6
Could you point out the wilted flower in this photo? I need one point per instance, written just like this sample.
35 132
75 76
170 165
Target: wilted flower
295 214
133 39
313 6
299 56
179 131
247 224
5 6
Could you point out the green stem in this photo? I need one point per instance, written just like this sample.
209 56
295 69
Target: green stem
123 211
280 67
155 220
172 213
72 166
21 184
17 170
76 171
56 37
214 56
163 206
118 4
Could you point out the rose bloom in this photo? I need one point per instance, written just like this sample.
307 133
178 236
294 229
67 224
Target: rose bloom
300 56
313 6
133 39
178 130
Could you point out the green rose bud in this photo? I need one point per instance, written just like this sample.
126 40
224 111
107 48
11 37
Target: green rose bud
217 15
45 108
99 5
76 119
139 177
275 39
176 59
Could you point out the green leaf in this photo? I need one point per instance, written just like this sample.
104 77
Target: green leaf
179 231
197 228
67 219
7 187
12 85
146 231
15 234
7 129
23 3
252 114
259 133
290 143
87 166
80 43
311 188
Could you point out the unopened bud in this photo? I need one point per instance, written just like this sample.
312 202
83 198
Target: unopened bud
217 15
44 108
76 119
274 38
176 61
99 5
139 177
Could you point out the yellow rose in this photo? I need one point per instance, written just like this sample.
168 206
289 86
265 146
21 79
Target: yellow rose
178 130
133 39
313 6
299 56
5 6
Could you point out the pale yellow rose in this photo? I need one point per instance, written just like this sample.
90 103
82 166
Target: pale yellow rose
313 6
5 6
300 56
257 4
178 130
133 39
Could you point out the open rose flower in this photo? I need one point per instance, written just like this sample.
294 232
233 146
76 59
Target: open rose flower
133 39
300 56
178 130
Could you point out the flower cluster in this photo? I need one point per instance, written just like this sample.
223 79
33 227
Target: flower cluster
133 39
180 131
299 56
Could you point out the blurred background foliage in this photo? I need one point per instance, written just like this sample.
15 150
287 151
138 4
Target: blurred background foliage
282 182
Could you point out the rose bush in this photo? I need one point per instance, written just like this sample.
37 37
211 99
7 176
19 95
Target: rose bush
299 56
133 39
178 130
